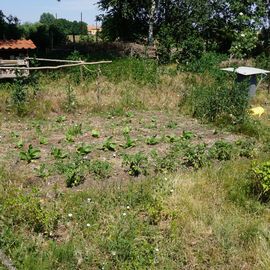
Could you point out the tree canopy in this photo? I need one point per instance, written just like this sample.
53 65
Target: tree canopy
223 25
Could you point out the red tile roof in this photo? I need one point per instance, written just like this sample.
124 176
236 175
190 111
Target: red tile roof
17 44
91 27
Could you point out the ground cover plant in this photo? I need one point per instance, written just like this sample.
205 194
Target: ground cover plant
130 180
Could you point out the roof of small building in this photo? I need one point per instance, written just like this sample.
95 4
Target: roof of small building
91 27
13 44
246 71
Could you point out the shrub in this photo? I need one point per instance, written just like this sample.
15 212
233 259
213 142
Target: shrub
217 101
246 148
196 156
260 181
221 150
192 48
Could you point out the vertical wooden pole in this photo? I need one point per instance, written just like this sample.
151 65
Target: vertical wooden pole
81 72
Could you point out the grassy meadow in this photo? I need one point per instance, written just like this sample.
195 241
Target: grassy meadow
133 165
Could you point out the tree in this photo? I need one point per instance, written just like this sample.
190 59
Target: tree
9 27
47 18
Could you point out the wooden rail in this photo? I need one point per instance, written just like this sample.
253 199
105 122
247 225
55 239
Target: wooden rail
79 63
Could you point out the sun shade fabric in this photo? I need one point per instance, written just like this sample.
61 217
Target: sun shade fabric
17 44
246 71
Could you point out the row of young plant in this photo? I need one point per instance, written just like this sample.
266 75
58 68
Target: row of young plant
183 153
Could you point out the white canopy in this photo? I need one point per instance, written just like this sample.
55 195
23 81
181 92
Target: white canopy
246 71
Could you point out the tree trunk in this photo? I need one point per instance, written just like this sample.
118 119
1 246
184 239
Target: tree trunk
151 23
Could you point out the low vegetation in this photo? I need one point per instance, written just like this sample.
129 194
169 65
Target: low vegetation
141 167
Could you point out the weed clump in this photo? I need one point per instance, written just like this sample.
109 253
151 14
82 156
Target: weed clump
259 181
137 164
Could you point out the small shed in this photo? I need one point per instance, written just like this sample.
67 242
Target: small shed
14 53
249 73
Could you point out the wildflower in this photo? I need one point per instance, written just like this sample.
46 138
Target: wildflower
156 249
88 225
124 214
171 190
241 14
88 200
243 35
70 215
113 253
128 207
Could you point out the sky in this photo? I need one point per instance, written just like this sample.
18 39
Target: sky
30 10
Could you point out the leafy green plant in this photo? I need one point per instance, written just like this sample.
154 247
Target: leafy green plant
259 181
20 144
75 130
72 132
126 130
73 176
187 135
246 148
222 150
172 125
109 144
84 149
100 169
196 156
129 142
43 140
137 163
57 153
95 133
61 119
69 138
30 154
171 138
42 171
153 140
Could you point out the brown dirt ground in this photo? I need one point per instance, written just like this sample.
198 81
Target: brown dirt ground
142 124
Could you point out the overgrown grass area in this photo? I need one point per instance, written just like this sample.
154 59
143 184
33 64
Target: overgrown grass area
196 219
134 166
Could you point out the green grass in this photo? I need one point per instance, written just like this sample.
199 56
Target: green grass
192 219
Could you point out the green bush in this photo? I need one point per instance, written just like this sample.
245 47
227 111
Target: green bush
220 100
196 156
222 150
260 181
192 48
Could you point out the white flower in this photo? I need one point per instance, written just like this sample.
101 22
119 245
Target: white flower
171 190
243 35
156 249
88 225
124 214
70 215
241 14
128 207
113 253
88 200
